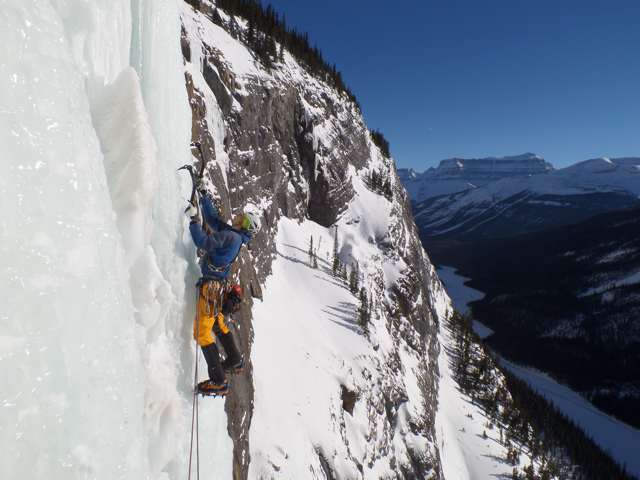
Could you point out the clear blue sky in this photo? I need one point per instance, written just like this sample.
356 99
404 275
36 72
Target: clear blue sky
471 78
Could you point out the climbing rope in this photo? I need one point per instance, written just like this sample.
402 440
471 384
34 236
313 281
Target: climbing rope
194 406
210 309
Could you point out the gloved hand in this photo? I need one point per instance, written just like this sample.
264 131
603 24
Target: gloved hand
217 202
201 187
232 300
192 212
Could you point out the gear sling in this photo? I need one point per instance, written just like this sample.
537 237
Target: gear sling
209 318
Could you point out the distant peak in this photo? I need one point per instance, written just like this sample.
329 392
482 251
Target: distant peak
523 157
593 165
491 168
407 173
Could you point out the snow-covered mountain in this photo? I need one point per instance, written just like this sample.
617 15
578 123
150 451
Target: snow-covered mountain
459 174
100 103
516 205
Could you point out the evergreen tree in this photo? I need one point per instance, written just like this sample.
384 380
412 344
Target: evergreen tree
311 252
387 190
251 34
343 272
354 278
375 180
336 259
216 18
378 138
513 457
529 472
364 312
270 24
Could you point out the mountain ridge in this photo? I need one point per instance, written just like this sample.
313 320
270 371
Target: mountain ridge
514 205
453 175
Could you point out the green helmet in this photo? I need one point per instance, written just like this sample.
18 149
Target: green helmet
250 222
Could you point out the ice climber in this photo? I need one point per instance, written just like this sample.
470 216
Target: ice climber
220 244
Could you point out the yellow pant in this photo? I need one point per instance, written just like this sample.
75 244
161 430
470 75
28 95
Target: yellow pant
209 313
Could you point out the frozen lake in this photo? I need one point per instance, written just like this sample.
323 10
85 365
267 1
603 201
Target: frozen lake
462 295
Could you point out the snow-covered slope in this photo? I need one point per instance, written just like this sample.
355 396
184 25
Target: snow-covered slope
459 174
517 205
310 350
469 449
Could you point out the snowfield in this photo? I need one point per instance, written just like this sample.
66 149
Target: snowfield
314 329
309 346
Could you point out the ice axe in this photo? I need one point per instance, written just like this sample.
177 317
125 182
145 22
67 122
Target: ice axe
195 176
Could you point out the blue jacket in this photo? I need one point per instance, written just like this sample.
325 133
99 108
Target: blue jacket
221 247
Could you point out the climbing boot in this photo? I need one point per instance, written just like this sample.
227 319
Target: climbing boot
234 363
216 372
210 388
236 367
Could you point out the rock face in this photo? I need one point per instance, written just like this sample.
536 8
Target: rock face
459 174
286 144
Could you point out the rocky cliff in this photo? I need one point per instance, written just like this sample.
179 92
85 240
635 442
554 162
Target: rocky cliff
288 145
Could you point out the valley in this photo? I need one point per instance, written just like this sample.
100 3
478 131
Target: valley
557 257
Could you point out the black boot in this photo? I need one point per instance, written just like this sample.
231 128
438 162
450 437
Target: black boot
234 361
216 372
